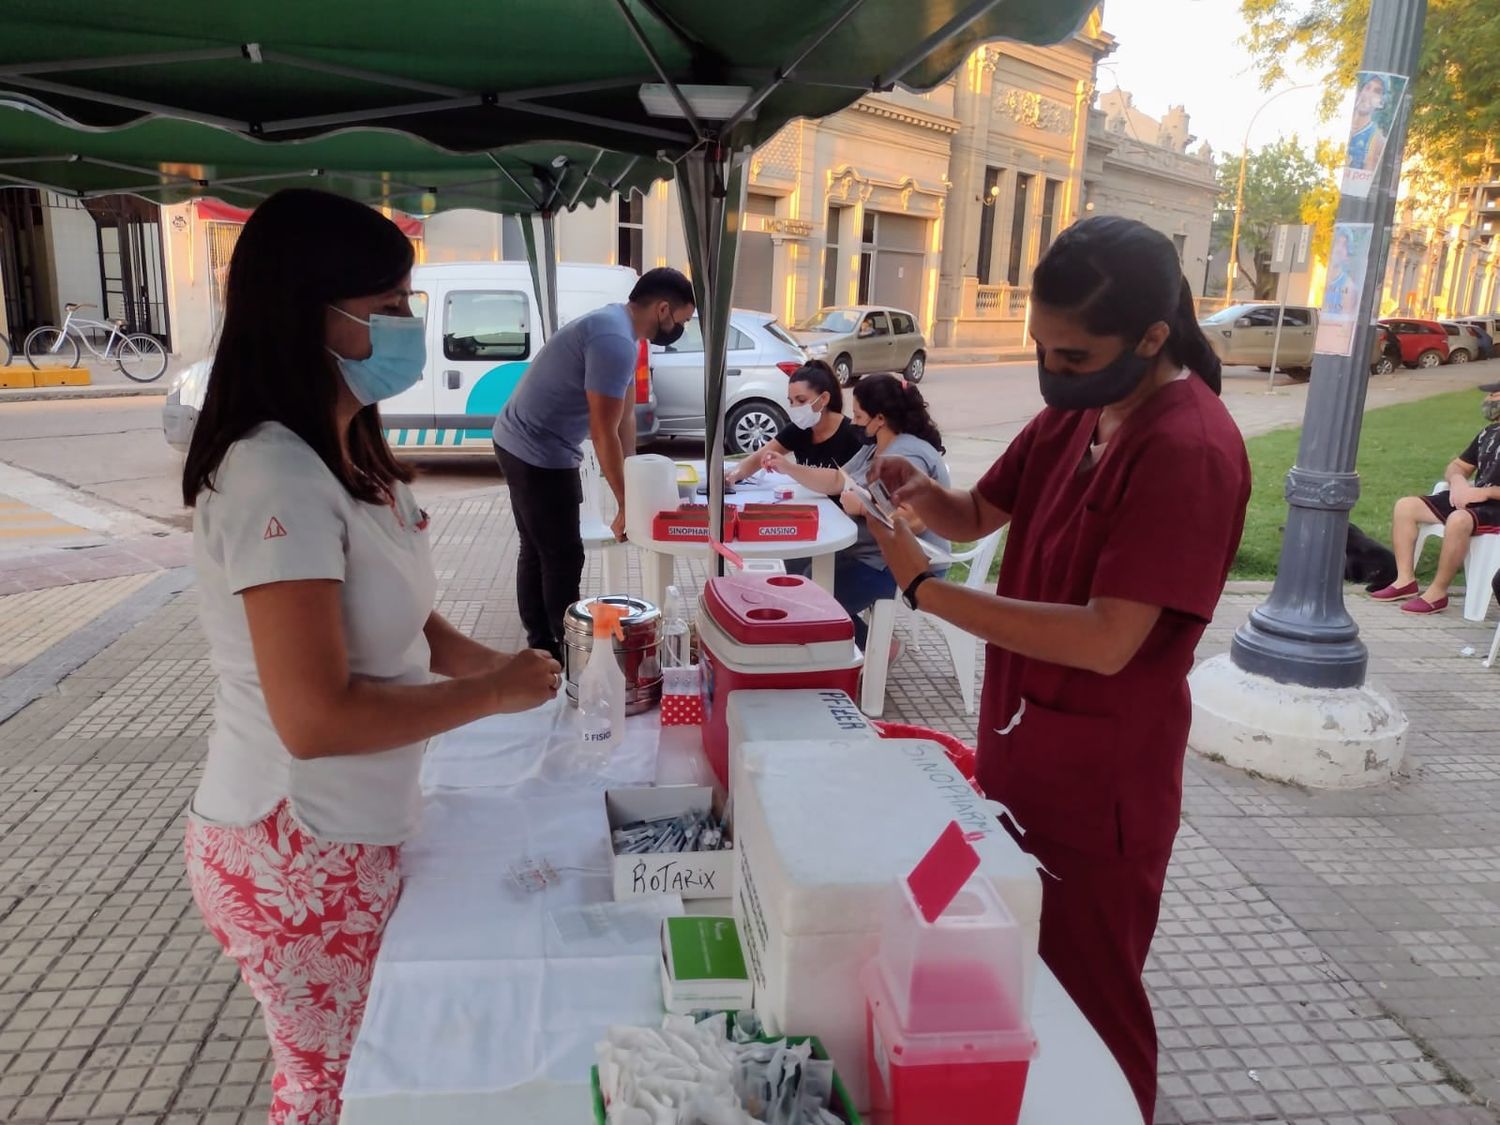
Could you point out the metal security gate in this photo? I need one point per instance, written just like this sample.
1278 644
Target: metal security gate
132 264
221 241
22 247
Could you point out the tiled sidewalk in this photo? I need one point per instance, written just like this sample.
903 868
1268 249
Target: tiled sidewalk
1321 958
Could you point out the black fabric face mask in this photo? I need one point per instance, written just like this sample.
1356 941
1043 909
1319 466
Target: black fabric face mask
1088 390
668 334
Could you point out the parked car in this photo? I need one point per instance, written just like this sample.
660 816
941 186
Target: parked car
761 356
483 327
1490 324
1424 343
862 339
1464 344
1246 334
1488 328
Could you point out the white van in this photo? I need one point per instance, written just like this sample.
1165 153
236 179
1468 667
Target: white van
483 327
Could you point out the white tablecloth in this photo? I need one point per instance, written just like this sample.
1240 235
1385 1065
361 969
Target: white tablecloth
482 1012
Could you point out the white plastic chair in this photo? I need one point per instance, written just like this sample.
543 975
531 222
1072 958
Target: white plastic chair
1494 649
1481 564
593 525
963 646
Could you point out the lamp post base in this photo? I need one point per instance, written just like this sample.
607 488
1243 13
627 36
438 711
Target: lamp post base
1326 738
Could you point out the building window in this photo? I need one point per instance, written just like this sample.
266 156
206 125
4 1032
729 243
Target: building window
1180 241
1049 214
630 247
831 258
1018 216
985 260
866 257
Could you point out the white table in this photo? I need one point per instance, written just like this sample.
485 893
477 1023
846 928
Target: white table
477 1014
835 532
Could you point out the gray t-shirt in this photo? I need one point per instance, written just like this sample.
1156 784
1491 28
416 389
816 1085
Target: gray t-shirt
547 418
921 454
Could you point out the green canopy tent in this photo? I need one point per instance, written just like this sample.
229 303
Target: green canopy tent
524 106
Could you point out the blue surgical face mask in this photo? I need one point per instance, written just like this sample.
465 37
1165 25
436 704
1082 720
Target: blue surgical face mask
398 353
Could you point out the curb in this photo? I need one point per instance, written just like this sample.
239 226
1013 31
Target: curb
44 672
153 390
937 357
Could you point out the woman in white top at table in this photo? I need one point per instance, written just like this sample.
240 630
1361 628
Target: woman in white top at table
894 419
316 591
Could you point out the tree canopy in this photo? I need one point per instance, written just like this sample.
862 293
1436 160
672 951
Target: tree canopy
1455 93
1279 178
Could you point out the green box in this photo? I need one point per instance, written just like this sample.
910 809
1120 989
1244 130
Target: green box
703 965
842 1105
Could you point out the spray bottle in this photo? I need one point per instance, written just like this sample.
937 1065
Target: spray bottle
601 690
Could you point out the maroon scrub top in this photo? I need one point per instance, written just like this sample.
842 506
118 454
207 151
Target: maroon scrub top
1089 761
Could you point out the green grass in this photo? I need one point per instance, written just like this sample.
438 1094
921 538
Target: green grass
1402 451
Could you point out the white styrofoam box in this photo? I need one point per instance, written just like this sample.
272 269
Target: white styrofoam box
823 829
689 874
793 715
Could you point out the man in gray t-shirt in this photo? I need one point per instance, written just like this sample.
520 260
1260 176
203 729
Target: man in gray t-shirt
579 386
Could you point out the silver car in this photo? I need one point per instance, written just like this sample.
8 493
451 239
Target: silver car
762 354
862 339
1463 341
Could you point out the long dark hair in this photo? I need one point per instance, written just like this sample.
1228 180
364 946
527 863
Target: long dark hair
300 251
820 377
900 404
1120 277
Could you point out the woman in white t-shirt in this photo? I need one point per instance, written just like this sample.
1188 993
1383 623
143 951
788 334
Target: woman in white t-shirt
317 590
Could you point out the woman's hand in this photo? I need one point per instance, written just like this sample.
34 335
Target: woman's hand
526 680
774 461
906 483
854 505
902 550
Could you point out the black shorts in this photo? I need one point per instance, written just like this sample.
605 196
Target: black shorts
1486 513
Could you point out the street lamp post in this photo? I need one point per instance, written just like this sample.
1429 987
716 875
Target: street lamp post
1208 265
1239 192
1290 700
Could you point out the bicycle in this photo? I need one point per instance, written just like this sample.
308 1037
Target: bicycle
140 357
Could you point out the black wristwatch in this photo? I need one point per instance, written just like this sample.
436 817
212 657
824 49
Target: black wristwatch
910 593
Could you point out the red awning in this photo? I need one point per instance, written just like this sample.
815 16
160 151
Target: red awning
213 211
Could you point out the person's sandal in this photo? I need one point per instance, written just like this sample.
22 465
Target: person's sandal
1395 593
1422 606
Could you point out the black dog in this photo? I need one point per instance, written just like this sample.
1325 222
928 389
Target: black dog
1367 561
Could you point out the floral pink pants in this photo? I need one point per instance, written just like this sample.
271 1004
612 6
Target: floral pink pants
304 918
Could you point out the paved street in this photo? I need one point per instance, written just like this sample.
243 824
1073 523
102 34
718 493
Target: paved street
1320 958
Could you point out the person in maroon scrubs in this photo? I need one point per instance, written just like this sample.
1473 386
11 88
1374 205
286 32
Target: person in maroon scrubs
1125 498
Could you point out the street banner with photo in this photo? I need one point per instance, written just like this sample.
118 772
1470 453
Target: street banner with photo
1377 97
1348 263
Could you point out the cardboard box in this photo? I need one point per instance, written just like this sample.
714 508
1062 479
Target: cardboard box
689 874
703 965
773 523
688 524
63 377
17 377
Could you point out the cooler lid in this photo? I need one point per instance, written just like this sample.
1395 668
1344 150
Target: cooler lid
775 609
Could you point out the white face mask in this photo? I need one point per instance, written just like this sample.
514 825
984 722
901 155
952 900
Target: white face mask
804 415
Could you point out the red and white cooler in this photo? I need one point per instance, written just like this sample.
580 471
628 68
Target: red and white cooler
765 632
